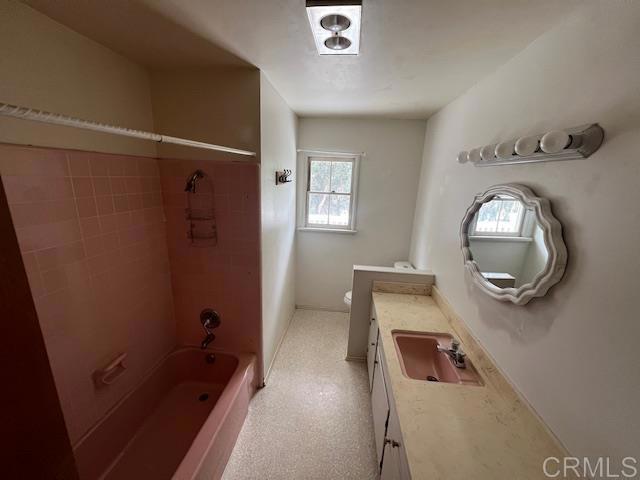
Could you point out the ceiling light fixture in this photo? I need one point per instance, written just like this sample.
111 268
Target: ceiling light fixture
335 25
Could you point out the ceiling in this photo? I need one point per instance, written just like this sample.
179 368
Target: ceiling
415 57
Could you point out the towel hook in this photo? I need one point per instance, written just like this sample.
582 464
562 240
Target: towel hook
283 176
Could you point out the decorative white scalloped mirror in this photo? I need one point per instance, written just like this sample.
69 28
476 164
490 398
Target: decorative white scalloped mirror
512 244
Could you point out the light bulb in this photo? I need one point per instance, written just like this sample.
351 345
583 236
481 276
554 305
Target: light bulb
505 150
474 155
335 22
554 141
526 146
488 152
336 42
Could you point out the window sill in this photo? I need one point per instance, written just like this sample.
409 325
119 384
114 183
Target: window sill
327 230
498 238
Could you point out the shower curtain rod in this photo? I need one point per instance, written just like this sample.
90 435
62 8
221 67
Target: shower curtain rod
57 119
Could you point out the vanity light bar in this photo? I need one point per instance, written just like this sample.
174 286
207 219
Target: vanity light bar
570 144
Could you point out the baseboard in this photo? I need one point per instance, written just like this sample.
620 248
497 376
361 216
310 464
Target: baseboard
275 354
322 309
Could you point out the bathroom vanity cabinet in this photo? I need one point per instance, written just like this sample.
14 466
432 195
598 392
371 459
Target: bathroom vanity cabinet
471 419
389 445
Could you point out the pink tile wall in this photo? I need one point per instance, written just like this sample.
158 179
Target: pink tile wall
225 277
92 234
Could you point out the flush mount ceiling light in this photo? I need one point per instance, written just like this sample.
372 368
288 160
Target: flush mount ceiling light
335 25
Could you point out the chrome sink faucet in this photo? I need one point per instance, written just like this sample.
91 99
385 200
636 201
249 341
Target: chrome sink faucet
455 353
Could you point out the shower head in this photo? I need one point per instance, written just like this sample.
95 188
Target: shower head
191 182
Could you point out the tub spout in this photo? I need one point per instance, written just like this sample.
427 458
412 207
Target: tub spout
210 319
207 340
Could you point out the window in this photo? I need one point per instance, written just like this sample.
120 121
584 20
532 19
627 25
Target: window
330 196
501 216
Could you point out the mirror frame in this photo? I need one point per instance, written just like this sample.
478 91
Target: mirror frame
552 230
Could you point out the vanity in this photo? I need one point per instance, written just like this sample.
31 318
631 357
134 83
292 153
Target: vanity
458 424
441 408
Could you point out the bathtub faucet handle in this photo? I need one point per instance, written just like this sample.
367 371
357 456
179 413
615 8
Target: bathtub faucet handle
210 319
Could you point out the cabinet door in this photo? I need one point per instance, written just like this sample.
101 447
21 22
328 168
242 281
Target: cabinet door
372 346
394 463
390 464
380 407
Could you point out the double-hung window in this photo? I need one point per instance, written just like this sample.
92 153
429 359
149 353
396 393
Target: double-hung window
502 216
331 192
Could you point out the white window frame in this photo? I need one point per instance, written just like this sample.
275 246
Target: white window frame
303 192
474 233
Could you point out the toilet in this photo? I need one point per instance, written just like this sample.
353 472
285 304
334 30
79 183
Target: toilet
347 299
401 264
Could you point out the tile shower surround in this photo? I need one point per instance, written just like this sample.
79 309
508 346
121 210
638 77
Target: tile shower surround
225 277
106 268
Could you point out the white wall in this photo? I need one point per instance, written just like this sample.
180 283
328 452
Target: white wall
45 65
387 188
572 354
278 151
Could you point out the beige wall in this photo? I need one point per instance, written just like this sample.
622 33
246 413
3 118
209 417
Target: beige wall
388 184
572 354
214 105
278 151
47 66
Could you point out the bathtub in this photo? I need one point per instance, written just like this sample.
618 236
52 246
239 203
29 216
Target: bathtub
180 423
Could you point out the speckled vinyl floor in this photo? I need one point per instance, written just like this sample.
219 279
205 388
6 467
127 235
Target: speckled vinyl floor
313 419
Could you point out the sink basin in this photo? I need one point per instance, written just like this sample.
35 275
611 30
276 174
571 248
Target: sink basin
421 360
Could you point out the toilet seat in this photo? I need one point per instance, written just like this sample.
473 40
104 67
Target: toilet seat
347 298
